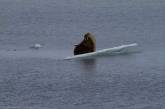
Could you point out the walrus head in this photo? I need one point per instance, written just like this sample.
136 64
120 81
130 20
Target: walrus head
87 45
90 38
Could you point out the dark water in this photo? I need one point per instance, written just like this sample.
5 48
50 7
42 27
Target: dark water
41 79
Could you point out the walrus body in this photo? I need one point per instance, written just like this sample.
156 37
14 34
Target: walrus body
86 46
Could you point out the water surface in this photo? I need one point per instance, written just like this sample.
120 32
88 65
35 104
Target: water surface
41 79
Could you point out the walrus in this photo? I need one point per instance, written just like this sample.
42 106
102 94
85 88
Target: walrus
86 46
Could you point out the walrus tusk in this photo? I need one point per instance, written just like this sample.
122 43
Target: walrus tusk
75 44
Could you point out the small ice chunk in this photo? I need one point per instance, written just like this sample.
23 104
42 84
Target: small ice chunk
36 46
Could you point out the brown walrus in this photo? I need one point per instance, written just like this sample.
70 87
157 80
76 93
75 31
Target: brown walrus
86 46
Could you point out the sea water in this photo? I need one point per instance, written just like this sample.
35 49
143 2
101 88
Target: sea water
41 79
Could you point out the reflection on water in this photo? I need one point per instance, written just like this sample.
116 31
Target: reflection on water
88 65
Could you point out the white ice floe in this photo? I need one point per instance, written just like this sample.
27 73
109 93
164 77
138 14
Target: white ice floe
103 52
36 46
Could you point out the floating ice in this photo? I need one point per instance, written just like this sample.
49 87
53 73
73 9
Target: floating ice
36 46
